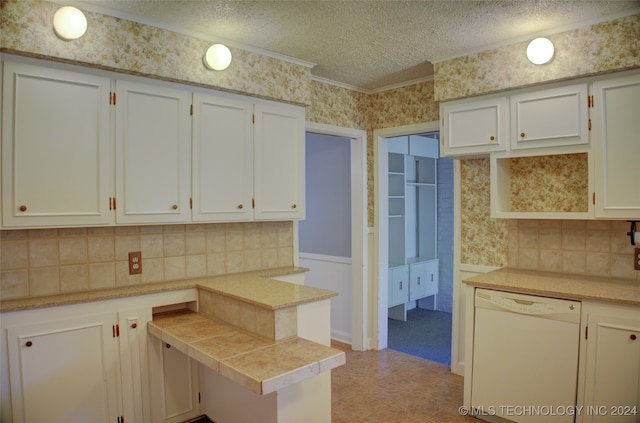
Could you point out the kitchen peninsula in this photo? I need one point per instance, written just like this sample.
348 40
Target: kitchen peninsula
250 347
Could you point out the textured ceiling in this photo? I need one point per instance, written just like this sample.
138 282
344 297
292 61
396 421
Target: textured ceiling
366 44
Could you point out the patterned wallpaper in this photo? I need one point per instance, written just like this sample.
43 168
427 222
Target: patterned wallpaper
125 46
550 183
484 240
605 47
338 106
139 49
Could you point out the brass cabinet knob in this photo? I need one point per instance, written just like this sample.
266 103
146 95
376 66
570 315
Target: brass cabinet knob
134 325
175 207
240 206
522 134
294 206
492 138
23 208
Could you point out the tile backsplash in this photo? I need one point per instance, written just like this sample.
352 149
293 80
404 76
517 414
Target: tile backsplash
39 262
582 247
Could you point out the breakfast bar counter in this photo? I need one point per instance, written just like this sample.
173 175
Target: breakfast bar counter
259 364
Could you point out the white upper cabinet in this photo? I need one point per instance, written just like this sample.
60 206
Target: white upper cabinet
474 127
153 153
55 141
279 161
84 147
615 126
222 159
550 117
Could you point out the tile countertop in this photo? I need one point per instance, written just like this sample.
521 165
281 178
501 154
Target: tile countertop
260 365
559 285
253 287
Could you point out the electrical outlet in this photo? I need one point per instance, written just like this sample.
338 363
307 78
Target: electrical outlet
135 262
636 259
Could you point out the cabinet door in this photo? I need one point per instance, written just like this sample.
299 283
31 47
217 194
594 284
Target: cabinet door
551 117
398 285
417 280
222 159
153 153
56 150
424 279
174 384
64 371
612 369
134 364
474 127
279 161
432 277
615 126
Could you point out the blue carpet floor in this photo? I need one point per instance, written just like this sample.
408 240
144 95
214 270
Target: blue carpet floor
425 334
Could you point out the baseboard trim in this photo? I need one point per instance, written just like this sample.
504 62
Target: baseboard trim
341 345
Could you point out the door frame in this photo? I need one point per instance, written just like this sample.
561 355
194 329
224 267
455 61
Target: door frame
380 283
359 230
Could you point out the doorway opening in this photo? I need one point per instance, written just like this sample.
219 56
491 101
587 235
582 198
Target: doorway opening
420 236
418 213
332 240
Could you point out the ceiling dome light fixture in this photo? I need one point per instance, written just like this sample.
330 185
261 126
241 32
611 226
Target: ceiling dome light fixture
217 57
69 23
540 51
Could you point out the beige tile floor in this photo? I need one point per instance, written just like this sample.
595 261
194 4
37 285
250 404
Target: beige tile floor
390 386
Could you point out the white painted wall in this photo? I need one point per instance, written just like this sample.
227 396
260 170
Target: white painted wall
325 236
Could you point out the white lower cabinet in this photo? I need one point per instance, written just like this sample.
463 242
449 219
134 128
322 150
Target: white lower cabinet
398 285
410 285
94 362
609 385
174 384
64 371
89 367
423 279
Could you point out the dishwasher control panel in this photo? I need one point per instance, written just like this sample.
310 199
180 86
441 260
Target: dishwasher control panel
555 308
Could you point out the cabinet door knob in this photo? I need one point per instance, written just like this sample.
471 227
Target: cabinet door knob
633 337
28 343
240 206
294 206
168 346
23 208
418 280
492 138
175 207
521 134
134 325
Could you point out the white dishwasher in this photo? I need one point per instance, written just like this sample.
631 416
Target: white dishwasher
525 357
